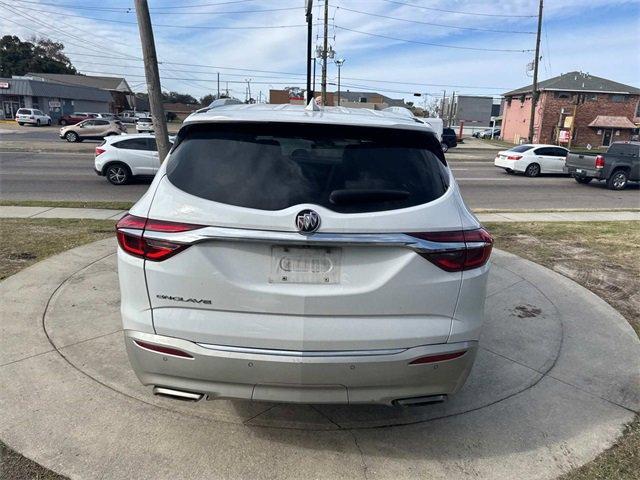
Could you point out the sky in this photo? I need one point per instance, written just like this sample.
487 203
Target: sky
395 47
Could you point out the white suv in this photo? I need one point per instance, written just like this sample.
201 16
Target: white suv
33 116
294 255
122 157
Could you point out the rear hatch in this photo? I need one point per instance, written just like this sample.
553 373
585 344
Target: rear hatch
253 279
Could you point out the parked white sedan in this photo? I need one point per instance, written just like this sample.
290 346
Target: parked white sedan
532 159
122 157
33 116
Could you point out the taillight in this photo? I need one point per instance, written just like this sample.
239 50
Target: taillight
162 349
439 357
514 157
99 151
130 232
32 118
599 161
473 249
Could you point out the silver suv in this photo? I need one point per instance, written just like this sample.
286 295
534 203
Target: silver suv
293 255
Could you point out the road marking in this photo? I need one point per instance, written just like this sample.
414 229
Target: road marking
459 179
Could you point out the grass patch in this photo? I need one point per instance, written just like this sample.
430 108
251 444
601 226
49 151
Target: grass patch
14 466
605 258
67 204
27 241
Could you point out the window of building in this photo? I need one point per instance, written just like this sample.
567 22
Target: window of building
638 109
563 95
591 97
618 98
362 99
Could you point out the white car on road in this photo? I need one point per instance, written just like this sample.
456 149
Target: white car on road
32 116
144 124
120 158
532 159
284 254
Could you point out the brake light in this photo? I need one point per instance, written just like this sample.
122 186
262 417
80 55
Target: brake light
130 232
599 161
514 157
99 151
440 357
473 251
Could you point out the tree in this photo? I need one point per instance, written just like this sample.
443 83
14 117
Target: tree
175 97
36 55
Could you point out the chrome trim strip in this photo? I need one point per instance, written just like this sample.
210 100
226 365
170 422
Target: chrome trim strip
342 239
300 353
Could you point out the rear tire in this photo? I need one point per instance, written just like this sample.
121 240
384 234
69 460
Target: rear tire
38 123
533 170
117 174
583 180
48 123
618 180
62 122
445 147
71 137
509 171
21 124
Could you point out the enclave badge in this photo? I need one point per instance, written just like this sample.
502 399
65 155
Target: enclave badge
307 221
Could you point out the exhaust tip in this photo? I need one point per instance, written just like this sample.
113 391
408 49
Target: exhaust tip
418 401
177 394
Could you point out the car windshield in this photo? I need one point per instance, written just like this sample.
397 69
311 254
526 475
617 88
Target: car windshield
520 148
272 166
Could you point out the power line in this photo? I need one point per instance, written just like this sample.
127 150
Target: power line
131 8
459 47
434 24
406 4
164 25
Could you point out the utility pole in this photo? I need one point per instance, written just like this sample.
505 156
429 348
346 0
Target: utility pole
153 77
218 85
534 90
452 109
444 98
339 63
325 52
248 80
309 15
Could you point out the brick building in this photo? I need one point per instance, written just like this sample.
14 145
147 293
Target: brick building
590 109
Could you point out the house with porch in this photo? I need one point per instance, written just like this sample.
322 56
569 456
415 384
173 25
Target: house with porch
587 109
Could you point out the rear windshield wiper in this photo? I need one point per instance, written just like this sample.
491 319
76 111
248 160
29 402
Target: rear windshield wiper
344 197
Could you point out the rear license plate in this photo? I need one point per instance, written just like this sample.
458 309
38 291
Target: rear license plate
579 170
305 265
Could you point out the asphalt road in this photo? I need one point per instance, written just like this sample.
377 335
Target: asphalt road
67 176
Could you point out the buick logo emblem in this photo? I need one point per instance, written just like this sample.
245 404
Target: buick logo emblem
307 221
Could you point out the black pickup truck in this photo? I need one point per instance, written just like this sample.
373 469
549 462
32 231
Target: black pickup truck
617 167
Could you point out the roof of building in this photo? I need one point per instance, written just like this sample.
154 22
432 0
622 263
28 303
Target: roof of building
38 88
286 112
351 96
578 82
104 83
610 121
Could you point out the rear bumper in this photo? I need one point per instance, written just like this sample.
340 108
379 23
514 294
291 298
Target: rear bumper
292 377
583 172
508 164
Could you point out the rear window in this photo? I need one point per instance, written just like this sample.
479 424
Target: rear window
23 111
521 148
624 149
272 166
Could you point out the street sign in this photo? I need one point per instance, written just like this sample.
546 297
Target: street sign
564 136
54 104
4 84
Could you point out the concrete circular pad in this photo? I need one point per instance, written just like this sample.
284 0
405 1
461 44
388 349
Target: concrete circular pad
556 378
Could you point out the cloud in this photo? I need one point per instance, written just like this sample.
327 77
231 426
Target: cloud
600 36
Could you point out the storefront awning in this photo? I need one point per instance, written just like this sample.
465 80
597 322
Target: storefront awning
609 121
